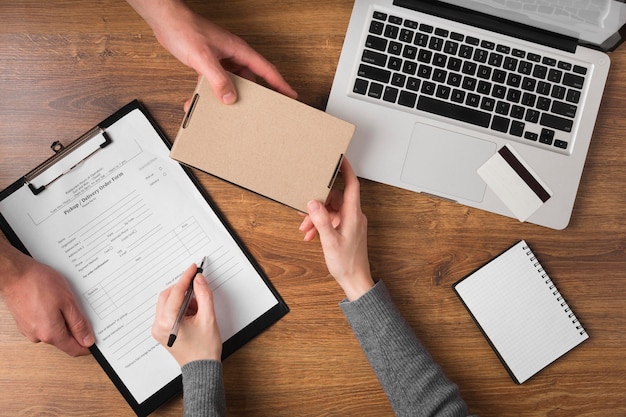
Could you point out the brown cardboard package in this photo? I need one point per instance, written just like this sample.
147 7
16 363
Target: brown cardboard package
265 142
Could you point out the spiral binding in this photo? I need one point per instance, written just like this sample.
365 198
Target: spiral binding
555 291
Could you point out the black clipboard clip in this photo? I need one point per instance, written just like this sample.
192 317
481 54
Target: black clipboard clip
65 159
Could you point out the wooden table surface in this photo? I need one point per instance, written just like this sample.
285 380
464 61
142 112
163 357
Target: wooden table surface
66 65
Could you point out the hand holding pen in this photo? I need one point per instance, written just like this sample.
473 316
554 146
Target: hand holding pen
197 334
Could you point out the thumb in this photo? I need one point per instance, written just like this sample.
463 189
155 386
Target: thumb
221 84
78 326
203 294
321 219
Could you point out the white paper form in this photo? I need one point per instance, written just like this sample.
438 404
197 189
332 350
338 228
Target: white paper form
123 226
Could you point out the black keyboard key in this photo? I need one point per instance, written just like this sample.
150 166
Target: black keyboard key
424 55
375 58
517 128
532 116
436 44
395 20
395 63
454 64
543 103
380 16
473 100
529 100
563 109
518 53
375 91
360 86
374 73
439 75
556 122
525 67
501 124
564 65
484 72
502 107
453 111
374 42
395 48
529 84
469 68
428 88
531 136
457 36
410 24
551 62
466 51
510 64
421 39
377 27
495 60
454 79
451 47
472 40
517 112
426 28
533 57
487 45
391 94
413 84
443 91
560 144
487 104
424 71
440 60
409 67
543 88
547 136
498 91
540 71
469 83
391 31
580 70
441 32
484 87
398 80
573 96
458 96
409 52
498 76
558 91
555 75
573 80
407 99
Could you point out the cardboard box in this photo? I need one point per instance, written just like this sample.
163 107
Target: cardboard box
266 142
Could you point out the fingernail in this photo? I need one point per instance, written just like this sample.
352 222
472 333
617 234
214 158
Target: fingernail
313 205
88 341
229 98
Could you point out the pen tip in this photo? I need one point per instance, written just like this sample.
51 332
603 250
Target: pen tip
170 341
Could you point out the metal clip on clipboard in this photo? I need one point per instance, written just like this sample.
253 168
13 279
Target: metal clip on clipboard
66 158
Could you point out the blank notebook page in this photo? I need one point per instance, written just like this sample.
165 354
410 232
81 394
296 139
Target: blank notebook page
521 312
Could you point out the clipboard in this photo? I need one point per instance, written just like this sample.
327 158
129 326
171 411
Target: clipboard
132 130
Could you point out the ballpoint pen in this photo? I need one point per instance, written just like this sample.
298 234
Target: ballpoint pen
183 307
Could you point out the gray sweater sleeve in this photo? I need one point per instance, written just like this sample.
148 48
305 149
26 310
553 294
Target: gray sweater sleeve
203 389
414 384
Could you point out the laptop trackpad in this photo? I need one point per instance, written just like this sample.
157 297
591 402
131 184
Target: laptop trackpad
442 161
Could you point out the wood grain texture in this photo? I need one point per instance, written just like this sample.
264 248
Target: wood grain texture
66 65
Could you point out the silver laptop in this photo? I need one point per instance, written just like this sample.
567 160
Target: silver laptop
436 88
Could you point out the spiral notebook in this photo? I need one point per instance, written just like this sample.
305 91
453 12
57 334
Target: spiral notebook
520 311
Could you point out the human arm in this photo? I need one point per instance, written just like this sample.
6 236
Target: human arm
414 384
198 346
42 303
207 48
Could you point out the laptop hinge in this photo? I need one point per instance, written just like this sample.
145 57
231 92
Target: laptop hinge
492 23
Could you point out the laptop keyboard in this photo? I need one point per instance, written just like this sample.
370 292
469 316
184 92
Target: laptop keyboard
518 94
